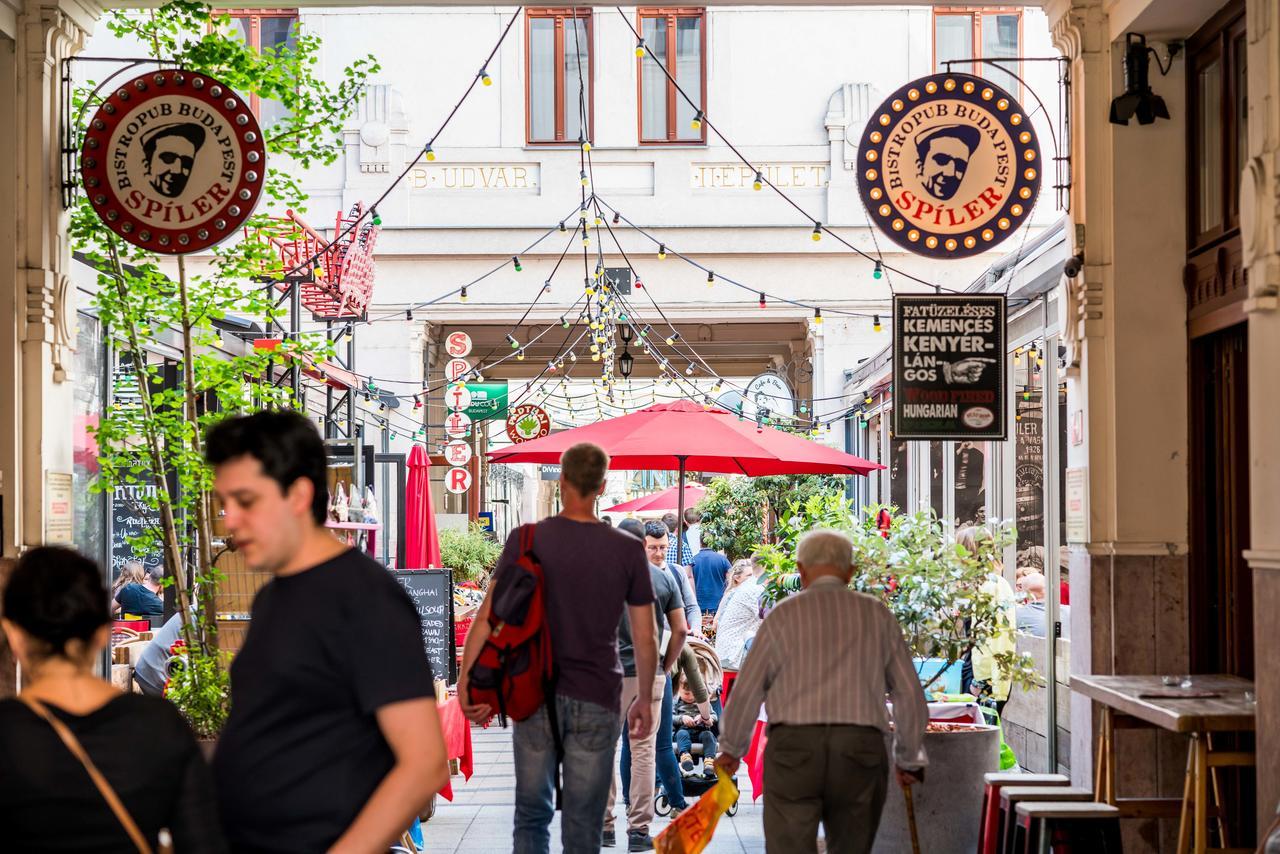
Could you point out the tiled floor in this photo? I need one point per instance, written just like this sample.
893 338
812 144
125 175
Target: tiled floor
479 821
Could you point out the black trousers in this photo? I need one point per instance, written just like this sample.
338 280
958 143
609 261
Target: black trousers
836 774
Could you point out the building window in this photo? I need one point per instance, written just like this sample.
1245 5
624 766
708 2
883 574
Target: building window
558 45
977 33
266 30
1218 102
678 40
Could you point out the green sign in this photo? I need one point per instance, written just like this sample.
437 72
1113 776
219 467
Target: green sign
488 400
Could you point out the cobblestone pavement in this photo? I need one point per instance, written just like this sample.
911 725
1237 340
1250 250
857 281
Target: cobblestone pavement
479 820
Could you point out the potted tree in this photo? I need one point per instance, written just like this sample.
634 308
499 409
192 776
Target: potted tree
152 436
932 585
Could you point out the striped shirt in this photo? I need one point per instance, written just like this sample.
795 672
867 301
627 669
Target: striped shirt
829 655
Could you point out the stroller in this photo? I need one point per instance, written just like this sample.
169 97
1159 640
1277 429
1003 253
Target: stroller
698 784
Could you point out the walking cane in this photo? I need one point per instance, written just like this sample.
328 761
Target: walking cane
911 820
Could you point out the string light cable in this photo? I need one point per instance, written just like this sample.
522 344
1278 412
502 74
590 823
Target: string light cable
427 150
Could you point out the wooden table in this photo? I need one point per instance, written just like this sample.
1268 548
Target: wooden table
1124 707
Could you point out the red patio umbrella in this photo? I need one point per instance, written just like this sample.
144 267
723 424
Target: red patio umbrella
668 499
684 436
422 542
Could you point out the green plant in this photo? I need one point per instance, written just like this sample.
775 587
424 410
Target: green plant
740 513
930 583
471 554
200 687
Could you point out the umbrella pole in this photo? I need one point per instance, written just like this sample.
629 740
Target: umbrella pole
680 513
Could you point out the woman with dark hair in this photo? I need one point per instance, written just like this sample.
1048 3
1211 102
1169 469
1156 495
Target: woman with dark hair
82 766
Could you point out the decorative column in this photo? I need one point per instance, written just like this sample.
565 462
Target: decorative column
39 442
1260 239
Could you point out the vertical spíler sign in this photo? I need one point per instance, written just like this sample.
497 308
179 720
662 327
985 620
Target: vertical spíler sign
948 367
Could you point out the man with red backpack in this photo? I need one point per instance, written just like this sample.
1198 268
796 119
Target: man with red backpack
579 576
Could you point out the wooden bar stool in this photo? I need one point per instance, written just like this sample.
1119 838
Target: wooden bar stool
988 831
1079 827
1011 796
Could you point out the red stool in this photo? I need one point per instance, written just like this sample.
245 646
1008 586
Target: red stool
988 832
1074 828
1011 796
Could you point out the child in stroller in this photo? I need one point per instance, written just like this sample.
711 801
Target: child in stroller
692 728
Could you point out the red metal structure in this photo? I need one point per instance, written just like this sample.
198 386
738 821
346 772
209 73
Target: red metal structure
339 282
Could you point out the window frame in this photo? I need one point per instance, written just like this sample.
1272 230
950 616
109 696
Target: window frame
1216 40
255 16
559 13
671 14
974 14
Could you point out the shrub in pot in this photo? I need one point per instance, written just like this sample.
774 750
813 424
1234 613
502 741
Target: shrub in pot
932 585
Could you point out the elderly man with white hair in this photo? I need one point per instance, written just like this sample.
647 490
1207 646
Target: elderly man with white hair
822 663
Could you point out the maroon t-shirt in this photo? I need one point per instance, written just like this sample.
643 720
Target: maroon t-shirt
592 572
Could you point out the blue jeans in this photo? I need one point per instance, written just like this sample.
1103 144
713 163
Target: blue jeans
684 742
589 732
668 767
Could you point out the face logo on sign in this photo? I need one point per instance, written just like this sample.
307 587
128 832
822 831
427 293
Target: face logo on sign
173 161
949 166
168 153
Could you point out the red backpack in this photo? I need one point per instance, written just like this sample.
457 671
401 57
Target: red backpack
514 672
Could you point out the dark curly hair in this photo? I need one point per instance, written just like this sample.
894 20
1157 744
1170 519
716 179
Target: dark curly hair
56 595
286 444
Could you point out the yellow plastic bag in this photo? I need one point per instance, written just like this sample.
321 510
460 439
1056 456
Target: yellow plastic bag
691 832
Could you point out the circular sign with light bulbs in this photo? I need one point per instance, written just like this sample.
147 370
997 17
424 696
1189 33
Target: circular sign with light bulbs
173 161
949 166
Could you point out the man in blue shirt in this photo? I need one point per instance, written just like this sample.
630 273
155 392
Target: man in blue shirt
710 568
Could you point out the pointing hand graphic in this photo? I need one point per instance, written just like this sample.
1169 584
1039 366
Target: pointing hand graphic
966 371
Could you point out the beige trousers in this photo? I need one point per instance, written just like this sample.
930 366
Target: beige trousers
643 761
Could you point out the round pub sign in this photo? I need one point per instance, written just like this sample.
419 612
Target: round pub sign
173 161
949 166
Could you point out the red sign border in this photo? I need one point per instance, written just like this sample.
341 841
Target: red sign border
219 224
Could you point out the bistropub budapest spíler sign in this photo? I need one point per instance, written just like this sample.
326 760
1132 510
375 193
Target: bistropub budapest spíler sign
949 166
948 367
173 161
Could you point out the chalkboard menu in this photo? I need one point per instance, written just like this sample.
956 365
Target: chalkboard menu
949 367
432 593
131 517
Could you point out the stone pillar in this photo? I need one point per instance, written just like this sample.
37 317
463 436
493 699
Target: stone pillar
1125 332
36 339
1260 239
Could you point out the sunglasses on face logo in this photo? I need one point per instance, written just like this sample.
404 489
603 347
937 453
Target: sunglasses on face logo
168 158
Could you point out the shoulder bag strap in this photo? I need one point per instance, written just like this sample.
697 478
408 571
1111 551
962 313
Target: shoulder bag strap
104 788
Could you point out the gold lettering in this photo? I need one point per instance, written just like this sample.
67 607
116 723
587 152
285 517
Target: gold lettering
521 178
417 178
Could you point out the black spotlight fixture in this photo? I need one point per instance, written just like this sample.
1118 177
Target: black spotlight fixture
626 362
1138 99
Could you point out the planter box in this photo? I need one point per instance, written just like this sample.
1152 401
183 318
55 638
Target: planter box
1025 717
949 802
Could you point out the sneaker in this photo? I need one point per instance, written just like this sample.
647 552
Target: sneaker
686 763
675 812
610 840
639 840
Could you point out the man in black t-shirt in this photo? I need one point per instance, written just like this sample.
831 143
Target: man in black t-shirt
333 742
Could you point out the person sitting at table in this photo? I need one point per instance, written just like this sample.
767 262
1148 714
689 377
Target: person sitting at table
1031 613
141 599
58 623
